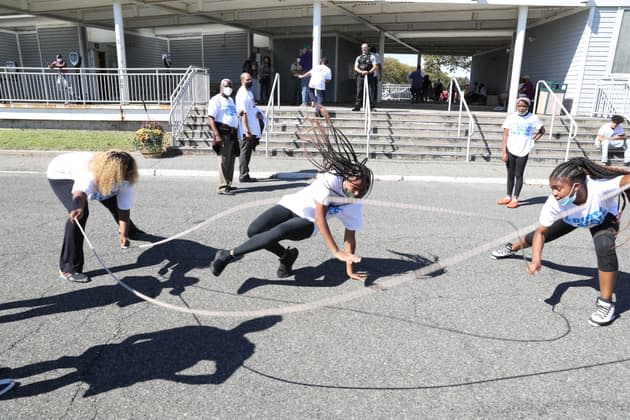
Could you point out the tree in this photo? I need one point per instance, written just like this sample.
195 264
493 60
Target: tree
434 66
396 72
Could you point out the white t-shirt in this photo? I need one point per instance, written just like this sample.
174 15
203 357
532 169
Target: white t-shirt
607 131
592 212
522 130
325 186
223 110
319 75
245 102
75 166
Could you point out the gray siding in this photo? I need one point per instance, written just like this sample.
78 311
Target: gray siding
9 48
224 55
53 41
144 51
346 86
186 52
599 47
30 50
555 53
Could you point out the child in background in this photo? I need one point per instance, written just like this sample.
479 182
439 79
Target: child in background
520 131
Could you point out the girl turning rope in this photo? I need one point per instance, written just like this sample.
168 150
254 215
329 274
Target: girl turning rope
105 176
299 216
583 195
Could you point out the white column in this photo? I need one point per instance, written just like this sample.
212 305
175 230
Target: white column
381 54
120 52
517 60
317 31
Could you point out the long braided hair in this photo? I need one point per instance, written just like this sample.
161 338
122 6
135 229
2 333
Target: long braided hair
576 170
337 154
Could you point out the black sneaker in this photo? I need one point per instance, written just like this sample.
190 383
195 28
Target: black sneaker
286 263
73 277
247 178
221 260
225 191
356 109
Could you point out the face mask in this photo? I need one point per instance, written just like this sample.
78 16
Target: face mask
568 200
248 85
227 91
348 194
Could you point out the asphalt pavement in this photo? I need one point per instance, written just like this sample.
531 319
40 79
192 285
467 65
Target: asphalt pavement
439 330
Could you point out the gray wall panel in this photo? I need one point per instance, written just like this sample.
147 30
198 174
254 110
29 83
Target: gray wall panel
9 48
144 51
186 52
30 50
53 41
224 55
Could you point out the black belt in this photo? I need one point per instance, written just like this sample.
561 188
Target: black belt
224 127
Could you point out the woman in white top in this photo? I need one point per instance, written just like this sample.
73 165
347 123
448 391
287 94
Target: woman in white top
104 176
584 194
520 131
333 193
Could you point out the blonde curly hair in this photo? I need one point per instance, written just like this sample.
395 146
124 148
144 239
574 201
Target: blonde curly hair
111 168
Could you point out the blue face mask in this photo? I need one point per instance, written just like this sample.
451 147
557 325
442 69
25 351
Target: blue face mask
569 199
348 194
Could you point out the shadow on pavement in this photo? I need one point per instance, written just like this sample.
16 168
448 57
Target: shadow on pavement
149 356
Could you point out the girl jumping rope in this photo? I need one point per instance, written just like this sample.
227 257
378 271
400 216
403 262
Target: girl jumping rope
520 131
299 216
584 194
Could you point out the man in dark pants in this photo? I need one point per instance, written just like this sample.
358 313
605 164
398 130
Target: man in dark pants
249 116
223 121
364 66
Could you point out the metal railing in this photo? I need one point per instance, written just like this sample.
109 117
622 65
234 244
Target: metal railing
272 105
462 104
395 92
367 111
89 85
192 90
557 104
612 97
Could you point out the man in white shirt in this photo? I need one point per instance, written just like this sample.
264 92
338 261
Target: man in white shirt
612 135
223 121
249 134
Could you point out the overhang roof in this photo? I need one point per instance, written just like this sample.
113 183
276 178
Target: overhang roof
442 27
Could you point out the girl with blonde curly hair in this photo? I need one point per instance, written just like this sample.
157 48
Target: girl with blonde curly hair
107 177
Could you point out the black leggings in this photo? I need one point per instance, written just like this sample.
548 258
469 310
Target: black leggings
603 235
274 225
515 169
71 258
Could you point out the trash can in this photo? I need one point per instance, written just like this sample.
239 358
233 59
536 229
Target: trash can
546 103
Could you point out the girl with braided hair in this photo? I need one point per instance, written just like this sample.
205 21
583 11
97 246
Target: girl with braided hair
107 177
341 181
584 194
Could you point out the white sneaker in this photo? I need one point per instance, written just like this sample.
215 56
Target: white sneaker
502 252
604 313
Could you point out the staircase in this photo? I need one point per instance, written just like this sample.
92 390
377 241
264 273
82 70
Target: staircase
409 135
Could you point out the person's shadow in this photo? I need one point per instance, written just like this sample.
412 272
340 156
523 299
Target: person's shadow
332 273
177 257
622 286
143 357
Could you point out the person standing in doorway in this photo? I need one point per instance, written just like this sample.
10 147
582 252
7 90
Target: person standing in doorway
306 61
415 77
364 67
249 134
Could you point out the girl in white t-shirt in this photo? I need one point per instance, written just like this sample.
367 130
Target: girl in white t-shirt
300 215
584 194
107 177
520 131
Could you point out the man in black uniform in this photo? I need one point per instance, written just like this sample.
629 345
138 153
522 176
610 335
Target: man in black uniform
364 66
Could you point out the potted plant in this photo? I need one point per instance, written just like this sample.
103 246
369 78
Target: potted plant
148 139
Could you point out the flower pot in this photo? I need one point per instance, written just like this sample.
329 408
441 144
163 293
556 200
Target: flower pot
152 155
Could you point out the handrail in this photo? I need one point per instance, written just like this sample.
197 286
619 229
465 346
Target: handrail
192 90
271 105
367 111
612 97
573 127
462 103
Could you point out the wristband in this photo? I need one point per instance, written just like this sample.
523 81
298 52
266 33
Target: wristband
77 203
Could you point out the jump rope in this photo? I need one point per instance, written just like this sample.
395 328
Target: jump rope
344 297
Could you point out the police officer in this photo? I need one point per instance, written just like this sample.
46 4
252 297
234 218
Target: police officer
364 66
